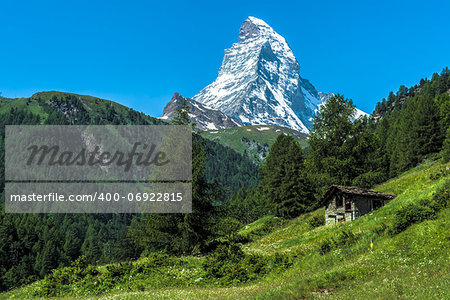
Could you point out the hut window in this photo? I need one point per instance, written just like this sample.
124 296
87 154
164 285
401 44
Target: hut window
348 205
339 201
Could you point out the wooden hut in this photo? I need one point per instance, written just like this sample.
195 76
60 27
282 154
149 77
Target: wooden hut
346 203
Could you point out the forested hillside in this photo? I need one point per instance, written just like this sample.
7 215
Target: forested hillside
398 251
32 245
437 85
414 123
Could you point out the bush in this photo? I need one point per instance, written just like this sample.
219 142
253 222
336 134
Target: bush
86 279
421 211
317 221
118 270
55 283
410 214
442 172
231 265
223 262
152 262
226 230
344 238
326 246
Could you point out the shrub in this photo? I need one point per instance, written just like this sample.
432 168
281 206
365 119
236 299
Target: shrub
227 227
281 261
231 265
317 221
441 199
422 210
442 172
57 282
152 261
118 270
223 260
326 246
344 238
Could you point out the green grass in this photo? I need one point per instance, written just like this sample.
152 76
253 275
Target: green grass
263 134
21 103
366 261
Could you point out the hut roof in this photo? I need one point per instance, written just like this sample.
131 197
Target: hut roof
356 191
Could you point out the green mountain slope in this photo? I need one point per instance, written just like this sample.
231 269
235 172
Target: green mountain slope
254 140
397 252
31 245
94 110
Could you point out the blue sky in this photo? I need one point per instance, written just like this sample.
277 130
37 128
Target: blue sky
139 53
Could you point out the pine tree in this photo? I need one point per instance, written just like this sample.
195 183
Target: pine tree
180 233
446 147
419 133
284 183
331 143
182 114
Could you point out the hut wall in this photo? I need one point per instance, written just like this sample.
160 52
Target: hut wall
363 205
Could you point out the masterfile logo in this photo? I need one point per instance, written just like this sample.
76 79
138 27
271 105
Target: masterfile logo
159 152
98 169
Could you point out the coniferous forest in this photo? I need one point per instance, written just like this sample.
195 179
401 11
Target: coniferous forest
407 129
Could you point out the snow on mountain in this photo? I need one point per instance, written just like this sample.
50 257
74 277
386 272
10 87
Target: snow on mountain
205 117
324 98
359 113
259 81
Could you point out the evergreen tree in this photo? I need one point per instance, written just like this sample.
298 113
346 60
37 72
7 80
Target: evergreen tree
182 114
331 143
284 184
343 150
446 147
180 233
419 133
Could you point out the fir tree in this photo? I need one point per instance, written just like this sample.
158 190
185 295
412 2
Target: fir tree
284 184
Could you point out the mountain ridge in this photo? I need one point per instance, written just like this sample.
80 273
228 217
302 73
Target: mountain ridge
206 118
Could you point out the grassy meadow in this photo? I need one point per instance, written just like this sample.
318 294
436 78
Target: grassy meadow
299 258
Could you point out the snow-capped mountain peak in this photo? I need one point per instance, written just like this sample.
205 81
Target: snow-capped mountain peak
259 81
256 29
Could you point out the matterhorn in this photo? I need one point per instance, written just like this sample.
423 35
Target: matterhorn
259 81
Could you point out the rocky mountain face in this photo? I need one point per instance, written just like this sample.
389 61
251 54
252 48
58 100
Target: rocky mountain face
206 118
259 81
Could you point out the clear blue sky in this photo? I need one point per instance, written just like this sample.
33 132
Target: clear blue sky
139 53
